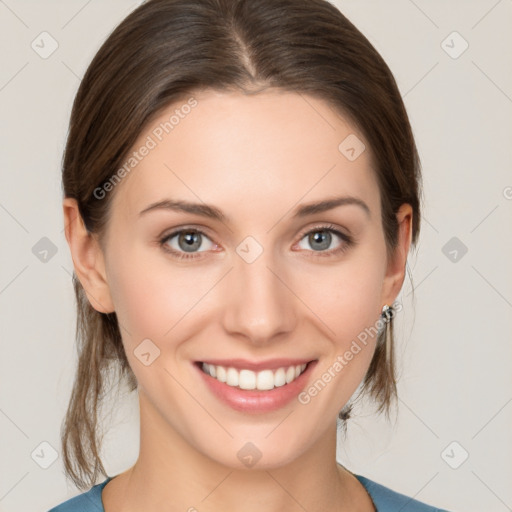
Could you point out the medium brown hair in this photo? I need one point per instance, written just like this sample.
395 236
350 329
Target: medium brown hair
163 52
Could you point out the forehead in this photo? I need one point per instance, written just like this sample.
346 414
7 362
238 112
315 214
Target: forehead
271 148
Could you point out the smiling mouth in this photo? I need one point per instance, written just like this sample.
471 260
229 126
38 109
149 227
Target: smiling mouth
263 380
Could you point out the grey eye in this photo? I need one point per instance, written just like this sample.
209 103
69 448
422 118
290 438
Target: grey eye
187 240
319 239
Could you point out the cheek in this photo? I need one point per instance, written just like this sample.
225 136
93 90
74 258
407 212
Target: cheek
346 297
153 297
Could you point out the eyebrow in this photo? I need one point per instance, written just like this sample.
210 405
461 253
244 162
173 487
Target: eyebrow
213 212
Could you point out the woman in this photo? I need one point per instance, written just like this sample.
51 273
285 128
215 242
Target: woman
212 146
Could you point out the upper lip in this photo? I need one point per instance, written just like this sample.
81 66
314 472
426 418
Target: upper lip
244 364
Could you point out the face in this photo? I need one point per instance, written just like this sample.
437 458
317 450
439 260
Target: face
263 285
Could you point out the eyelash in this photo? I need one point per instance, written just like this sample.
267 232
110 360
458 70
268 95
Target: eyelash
348 242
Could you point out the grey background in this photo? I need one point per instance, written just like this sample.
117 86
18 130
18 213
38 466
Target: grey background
454 337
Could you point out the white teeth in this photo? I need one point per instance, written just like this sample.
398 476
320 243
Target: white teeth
290 374
231 377
247 379
279 378
221 373
265 380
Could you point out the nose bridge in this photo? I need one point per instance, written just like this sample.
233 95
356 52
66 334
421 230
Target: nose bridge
260 306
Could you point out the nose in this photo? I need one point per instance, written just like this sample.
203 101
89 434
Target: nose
260 304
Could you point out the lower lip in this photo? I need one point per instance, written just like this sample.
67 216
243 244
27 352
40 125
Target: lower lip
255 401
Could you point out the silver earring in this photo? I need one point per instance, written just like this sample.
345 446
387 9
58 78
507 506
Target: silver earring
387 313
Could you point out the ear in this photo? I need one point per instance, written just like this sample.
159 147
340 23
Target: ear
395 272
87 258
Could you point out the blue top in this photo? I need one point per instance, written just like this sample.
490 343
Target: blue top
384 499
